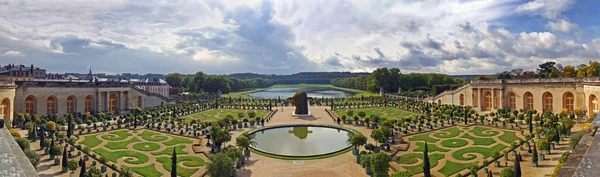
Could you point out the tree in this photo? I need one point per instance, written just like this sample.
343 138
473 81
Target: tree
530 122
174 79
242 141
64 158
380 164
82 171
357 140
125 172
174 164
534 158
543 145
517 167
51 126
69 128
426 165
220 166
72 165
402 173
507 172
378 135
23 143
93 172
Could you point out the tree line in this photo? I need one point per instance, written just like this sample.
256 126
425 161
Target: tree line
392 79
553 70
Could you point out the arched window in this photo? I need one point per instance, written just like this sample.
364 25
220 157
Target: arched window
30 105
462 99
139 101
547 101
71 102
593 104
487 101
439 102
89 101
112 103
568 101
512 100
6 108
528 101
51 105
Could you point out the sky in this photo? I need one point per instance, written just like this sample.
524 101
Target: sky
283 37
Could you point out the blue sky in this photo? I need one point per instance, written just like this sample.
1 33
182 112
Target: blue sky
282 37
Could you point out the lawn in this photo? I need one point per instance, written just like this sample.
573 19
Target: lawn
169 151
116 135
188 161
430 147
146 146
465 153
114 155
216 114
484 132
448 133
114 145
152 136
387 112
416 169
147 171
423 137
509 137
91 141
452 167
178 140
454 143
479 141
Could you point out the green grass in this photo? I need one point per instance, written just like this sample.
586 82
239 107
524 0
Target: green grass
113 156
416 169
509 137
387 112
91 141
484 132
452 167
169 150
454 143
152 136
146 146
423 137
188 161
178 140
301 158
114 145
485 151
116 135
479 141
448 133
431 147
147 171
216 114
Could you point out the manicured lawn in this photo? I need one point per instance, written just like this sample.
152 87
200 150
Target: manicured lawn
91 141
387 112
452 167
423 137
169 151
485 151
116 135
189 161
114 145
113 156
509 137
448 133
152 136
431 147
416 169
216 114
479 141
147 171
146 146
178 140
484 132
454 143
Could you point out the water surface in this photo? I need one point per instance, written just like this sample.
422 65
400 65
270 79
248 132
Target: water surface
301 140
317 92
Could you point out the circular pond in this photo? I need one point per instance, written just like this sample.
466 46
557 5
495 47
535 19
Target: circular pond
301 140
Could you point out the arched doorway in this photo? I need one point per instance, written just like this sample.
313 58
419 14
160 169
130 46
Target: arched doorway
6 109
547 101
439 102
487 100
512 101
139 101
51 105
462 99
89 101
568 101
71 104
112 103
30 105
528 101
593 104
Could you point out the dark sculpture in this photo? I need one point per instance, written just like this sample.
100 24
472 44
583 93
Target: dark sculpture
301 102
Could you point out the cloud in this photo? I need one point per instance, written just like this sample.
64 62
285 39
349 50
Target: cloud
282 37
12 53
561 25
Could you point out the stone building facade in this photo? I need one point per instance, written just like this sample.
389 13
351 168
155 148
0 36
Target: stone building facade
70 96
538 94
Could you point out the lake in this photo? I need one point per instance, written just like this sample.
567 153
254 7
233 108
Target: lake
316 92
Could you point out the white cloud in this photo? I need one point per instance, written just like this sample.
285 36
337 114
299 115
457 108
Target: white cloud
12 53
561 25
550 9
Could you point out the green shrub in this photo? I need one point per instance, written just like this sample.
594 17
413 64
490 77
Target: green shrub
23 143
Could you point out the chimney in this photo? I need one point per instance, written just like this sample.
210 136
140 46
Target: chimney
31 70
